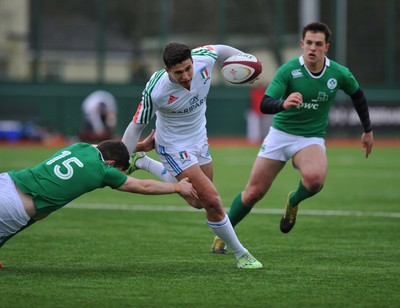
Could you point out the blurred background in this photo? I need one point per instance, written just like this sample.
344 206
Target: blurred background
54 53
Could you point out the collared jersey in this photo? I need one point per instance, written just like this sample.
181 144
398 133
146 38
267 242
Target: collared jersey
310 118
180 113
68 174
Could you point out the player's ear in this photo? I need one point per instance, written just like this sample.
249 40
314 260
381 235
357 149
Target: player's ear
110 162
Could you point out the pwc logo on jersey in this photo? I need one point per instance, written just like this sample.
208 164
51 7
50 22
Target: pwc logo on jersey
314 105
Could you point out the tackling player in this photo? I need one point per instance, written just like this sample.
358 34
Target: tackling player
31 194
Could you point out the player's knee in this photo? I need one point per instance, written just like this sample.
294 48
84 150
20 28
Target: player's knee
313 182
252 195
212 202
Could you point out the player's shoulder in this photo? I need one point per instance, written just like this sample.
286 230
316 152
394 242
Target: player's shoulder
292 64
156 80
205 51
337 67
80 145
156 77
289 68
158 87
80 148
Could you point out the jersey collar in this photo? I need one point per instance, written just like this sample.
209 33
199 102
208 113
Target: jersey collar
100 154
302 63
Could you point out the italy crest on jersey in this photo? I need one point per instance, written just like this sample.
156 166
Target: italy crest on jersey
205 74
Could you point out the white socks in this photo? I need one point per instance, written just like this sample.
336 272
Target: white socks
155 167
224 230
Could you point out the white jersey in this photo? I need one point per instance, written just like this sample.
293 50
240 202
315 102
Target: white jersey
180 113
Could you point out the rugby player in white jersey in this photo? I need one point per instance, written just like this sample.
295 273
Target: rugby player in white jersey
177 96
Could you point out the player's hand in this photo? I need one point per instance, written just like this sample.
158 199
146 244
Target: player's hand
148 143
367 141
293 100
187 189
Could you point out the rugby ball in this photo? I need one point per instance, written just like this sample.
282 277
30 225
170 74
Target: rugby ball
241 68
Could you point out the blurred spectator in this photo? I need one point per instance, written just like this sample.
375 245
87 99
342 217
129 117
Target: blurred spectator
257 123
100 117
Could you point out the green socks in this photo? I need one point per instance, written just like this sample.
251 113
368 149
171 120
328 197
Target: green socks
301 194
238 210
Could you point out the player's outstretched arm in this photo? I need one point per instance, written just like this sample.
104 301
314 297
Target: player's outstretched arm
131 136
153 187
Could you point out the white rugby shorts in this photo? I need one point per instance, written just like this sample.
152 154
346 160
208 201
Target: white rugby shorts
282 146
12 212
175 160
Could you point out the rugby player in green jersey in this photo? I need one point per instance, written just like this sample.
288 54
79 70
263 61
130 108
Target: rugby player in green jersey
31 194
300 95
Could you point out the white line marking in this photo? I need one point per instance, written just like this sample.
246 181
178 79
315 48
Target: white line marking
173 208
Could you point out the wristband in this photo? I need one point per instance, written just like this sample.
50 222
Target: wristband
177 188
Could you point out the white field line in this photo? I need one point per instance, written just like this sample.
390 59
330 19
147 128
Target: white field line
173 208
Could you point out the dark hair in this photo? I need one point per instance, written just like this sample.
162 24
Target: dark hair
175 53
318 27
115 150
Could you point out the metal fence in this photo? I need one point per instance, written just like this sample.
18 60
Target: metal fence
48 45
121 40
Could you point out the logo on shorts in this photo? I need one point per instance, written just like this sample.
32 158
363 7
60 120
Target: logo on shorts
184 156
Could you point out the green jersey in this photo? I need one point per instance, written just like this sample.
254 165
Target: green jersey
68 174
310 118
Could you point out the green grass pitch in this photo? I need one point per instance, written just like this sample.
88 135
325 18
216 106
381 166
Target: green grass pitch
112 249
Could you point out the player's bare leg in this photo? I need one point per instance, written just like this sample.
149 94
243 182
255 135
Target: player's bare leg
312 164
217 219
263 173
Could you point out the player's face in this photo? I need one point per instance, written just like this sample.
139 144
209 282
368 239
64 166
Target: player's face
182 73
314 47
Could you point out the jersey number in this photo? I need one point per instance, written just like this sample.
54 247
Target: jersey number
67 165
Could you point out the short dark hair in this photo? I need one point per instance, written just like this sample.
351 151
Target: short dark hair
175 53
318 27
115 150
